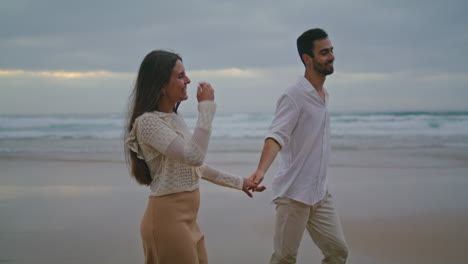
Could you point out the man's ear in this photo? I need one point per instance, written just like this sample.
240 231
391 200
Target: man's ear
307 59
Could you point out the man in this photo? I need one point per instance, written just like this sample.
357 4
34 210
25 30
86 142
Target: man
301 132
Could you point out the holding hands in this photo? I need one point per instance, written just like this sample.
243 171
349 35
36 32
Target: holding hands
250 186
269 152
206 93
257 176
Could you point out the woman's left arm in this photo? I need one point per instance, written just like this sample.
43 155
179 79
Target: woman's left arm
225 179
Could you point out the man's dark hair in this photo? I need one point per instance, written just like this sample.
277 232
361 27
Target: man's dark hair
305 42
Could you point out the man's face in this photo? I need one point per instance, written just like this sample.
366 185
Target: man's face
322 61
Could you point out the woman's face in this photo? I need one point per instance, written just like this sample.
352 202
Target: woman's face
176 89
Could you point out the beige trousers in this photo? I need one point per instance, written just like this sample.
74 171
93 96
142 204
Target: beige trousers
320 220
170 232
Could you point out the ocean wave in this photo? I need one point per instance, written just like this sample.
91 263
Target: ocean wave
238 125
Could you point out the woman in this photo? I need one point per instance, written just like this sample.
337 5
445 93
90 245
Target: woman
163 154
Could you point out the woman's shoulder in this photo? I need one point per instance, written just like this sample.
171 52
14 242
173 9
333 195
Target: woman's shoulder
158 120
154 117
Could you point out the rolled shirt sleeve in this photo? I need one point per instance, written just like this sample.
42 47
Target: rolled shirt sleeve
286 116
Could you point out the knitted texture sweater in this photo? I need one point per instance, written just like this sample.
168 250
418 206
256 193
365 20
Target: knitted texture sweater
173 154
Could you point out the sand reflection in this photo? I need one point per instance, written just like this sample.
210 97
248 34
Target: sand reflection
8 192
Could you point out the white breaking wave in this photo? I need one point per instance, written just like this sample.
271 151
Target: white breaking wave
69 131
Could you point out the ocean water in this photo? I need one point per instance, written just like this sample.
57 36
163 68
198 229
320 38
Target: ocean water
104 132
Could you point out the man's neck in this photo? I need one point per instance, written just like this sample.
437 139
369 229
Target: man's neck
316 79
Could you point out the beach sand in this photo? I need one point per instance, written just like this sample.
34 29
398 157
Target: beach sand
396 206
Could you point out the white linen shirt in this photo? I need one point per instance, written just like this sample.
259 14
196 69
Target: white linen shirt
302 128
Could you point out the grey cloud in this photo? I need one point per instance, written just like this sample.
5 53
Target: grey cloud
115 35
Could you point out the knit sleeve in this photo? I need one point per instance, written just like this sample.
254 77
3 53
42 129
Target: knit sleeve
158 134
221 178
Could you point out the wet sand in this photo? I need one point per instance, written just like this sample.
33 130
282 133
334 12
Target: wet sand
396 206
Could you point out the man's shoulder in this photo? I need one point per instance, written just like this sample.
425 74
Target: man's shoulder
295 90
291 97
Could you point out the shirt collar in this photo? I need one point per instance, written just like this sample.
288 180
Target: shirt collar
309 87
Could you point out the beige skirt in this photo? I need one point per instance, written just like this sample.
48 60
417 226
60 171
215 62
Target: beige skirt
170 232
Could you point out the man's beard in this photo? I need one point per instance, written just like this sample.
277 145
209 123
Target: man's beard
321 68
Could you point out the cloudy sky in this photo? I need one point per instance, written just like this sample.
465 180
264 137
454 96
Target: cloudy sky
61 56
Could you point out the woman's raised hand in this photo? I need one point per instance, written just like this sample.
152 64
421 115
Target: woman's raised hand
205 92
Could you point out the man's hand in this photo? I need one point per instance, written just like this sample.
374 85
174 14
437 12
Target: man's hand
251 186
257 178
269 152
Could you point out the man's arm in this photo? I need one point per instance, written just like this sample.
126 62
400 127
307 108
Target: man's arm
269 152
282 126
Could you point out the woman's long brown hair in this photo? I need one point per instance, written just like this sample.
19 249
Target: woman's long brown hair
155 72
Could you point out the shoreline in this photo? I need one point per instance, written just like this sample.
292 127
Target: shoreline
435 157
